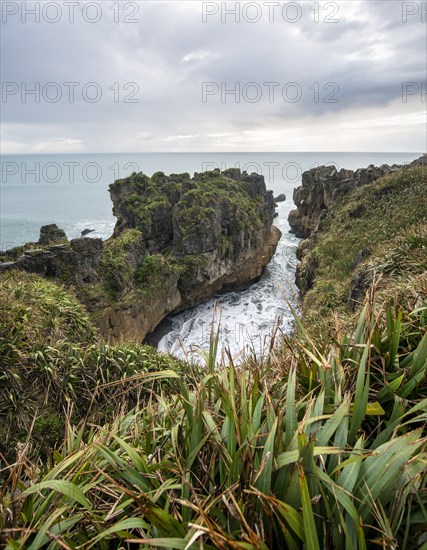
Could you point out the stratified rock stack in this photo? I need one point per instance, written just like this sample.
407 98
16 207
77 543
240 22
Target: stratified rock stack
321 185
199 235
177 241
51 234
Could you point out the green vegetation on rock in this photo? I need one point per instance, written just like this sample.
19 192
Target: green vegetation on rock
118 259
377 234
211 190
153 272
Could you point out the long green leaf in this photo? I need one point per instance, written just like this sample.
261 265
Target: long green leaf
68 489
290 412
332 424
311 539
361 397
124 525
263 482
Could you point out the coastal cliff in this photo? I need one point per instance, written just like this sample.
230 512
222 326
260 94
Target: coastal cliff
177 241
322 185
365 230
156 430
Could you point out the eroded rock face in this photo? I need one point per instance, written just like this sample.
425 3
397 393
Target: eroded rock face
177 241
213 232
320 186
75 262
135 317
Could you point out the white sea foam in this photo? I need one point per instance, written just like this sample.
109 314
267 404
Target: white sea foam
103 228
246 320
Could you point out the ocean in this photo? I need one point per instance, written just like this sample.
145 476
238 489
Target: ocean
71 190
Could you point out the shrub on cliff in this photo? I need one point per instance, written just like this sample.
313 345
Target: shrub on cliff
119 261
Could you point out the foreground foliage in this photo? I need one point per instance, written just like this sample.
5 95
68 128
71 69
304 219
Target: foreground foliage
322 445
53 365
325 450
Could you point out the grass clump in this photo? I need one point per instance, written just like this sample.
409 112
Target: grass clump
53 364
36 312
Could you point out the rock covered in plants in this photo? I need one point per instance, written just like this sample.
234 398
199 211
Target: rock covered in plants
51 234
372 238
192 237
177 241
194 215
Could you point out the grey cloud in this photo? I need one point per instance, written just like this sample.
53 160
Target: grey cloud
171 52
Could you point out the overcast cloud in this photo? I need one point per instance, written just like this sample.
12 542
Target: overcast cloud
342 80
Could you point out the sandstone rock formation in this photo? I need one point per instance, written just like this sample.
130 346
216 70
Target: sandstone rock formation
177 241
321 185
75 262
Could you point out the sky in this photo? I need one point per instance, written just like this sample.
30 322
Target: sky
108 76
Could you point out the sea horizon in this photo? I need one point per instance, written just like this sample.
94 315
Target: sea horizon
41 188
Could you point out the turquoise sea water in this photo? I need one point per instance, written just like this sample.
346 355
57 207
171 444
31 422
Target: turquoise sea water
72 191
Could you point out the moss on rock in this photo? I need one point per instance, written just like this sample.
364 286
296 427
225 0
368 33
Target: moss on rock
153 271
119 261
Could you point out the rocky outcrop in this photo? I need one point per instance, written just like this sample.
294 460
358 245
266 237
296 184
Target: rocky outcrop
213 232
320 186
177 241
138 313
51 234
75 263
